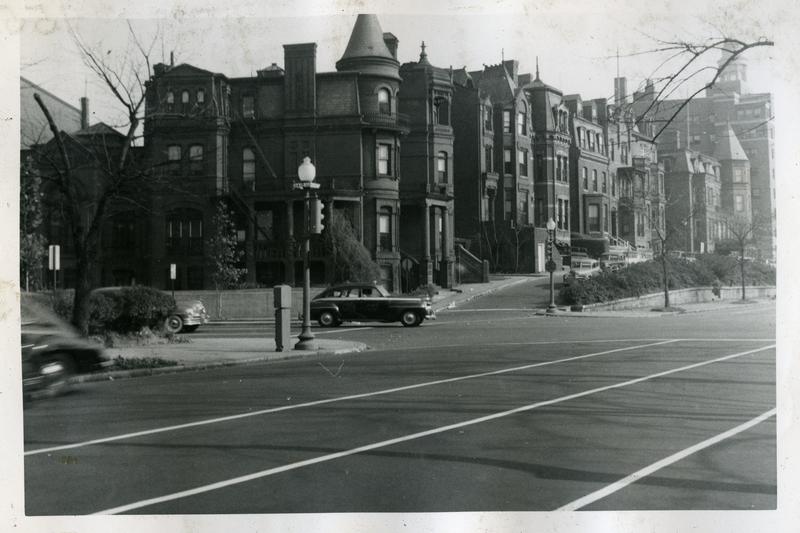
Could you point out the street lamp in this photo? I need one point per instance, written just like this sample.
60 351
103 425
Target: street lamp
550 266
306 173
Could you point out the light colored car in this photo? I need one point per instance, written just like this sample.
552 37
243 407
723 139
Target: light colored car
189 315
582 268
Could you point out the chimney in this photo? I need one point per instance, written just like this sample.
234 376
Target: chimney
84 112
391 43
172 59
300 62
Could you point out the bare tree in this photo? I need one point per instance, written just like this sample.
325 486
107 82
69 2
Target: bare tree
92 172
743 231
689 64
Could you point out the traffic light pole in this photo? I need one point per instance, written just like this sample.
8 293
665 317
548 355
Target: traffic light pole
306 338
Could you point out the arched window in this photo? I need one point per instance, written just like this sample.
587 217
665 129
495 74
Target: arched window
174 159
249 168
384 101
185 100
441 166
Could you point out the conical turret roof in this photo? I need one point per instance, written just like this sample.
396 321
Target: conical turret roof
728 146
366 39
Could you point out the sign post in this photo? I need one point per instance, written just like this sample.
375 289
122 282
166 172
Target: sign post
173 271
54 262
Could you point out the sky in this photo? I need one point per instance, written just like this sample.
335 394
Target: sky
576 42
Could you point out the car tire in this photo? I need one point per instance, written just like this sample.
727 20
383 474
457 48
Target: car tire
56 370
173 324
189 329
410 318
327 319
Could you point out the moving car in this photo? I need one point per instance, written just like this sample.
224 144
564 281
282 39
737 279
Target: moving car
367 302
53 351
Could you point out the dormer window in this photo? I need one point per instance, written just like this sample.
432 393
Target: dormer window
384 102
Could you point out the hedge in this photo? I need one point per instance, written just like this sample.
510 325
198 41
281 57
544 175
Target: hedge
646 278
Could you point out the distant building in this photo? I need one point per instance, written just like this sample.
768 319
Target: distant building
704 123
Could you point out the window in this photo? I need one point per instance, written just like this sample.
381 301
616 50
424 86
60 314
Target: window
249 169
185 98
594 180
265 220
123 232
385 229
506 121
593 217
441 166
170 100
441 108
174 157
613 184
585 172
488 156
196 159
558 168
523 209
185 232
487 118
201 96
248 107
509 193
522 126
605 217
738 203
604 184
384 159
522 159
566 214
508 163
738 175
384 102
560 215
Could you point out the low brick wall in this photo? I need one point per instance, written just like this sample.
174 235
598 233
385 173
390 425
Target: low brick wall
684 296
243 304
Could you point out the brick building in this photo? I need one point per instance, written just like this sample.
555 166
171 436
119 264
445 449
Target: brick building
242 139
701 124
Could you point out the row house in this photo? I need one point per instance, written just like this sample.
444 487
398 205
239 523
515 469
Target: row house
493 146
427 186
695 211
241 140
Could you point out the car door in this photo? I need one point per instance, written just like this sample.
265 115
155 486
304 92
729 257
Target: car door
348 304
372 304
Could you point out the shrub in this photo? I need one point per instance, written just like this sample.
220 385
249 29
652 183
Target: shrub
128 309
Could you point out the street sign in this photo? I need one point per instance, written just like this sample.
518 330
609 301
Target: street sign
54 257
550 265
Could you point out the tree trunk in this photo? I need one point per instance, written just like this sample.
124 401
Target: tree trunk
741 271
665 280
83 288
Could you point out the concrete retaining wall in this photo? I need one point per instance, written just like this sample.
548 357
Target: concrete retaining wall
244 304
684 296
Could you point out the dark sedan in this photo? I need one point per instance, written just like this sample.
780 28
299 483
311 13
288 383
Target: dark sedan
53 351
367 302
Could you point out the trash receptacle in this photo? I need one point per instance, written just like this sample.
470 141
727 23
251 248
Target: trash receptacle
283 315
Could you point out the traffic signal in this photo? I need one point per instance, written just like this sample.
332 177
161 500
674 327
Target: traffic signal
316 216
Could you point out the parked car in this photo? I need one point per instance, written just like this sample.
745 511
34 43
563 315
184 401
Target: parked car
368 302
582 268
189 315
53 351
612 262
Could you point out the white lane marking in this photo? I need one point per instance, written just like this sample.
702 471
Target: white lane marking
405 438
333 400
667 461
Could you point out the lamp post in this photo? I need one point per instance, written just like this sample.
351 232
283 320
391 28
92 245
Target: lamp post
306 173
550 266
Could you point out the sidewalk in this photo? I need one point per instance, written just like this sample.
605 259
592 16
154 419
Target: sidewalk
646 312
203 352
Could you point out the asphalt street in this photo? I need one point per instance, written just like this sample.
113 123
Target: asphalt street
488 408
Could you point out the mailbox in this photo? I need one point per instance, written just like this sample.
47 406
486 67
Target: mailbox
282 295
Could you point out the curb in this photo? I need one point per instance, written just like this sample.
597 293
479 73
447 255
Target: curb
275 356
